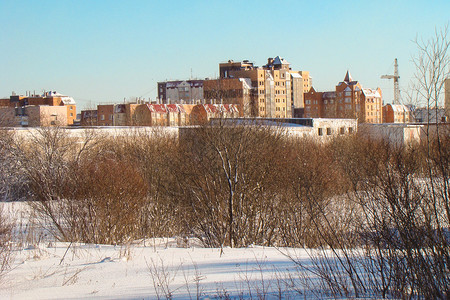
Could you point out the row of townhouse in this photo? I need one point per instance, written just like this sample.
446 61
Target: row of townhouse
133 114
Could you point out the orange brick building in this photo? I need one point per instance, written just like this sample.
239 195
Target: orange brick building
349 100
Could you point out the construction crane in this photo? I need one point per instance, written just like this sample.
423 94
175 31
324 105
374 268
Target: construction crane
395 77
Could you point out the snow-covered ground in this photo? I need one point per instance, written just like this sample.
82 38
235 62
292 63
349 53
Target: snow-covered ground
151 269
136 272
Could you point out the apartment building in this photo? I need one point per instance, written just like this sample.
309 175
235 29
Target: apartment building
349 100
51 98
186 91
273 90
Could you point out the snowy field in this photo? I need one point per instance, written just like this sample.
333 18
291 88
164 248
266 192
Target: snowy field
151 269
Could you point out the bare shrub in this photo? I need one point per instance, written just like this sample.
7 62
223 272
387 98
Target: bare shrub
400 244
6 242
154 154
227 176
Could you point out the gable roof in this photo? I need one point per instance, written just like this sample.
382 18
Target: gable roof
157 108
371 93
172 108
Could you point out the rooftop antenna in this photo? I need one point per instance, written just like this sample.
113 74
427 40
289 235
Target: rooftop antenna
395 77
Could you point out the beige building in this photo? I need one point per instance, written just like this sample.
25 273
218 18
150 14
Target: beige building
33 116
276 90
187 91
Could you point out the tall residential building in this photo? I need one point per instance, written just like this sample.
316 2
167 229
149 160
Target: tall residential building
273 90
349 100
187 91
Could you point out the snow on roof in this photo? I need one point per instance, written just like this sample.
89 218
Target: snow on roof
157 108
247 82
280 61
269 75
181 108
295 75
399 107
230 108
371 93
348 89
172 108
211 108
68 100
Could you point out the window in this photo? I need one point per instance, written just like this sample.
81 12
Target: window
71 107
347 93
307 101
320 131
342 130
328 131
102 117
71 114
350 130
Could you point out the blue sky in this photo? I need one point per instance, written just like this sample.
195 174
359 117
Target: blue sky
104 51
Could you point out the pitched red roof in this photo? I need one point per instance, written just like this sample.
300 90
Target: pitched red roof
172 108
157 108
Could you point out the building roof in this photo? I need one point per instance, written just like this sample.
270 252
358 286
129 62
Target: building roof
329 95
398 107
280 61
157 108
212 108
247 82
371 93
220 108
348 77
172 108
195 83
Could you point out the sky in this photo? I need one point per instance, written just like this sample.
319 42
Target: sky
106 51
